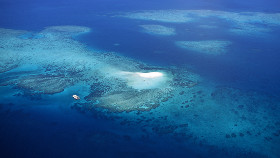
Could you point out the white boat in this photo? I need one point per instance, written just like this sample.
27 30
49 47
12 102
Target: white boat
76 97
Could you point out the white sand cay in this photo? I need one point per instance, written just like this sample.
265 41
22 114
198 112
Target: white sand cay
149 80
150 74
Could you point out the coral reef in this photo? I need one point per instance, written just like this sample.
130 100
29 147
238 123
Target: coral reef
158 100
160 15
131 100
55 62
242 23
46 84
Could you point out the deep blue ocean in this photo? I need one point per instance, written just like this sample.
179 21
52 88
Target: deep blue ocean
47 126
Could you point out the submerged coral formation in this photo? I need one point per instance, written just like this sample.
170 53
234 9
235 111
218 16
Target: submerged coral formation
241 23
225 117
160 15
208 26
158 30
45 84
130 100
249 29
213 47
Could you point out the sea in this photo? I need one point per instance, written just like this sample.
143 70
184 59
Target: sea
238 113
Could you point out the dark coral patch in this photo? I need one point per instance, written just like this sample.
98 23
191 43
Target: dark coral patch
182 92
233 135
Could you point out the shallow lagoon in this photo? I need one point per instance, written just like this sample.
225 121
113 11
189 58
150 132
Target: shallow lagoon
191 107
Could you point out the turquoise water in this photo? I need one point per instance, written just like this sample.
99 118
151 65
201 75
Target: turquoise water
155 79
